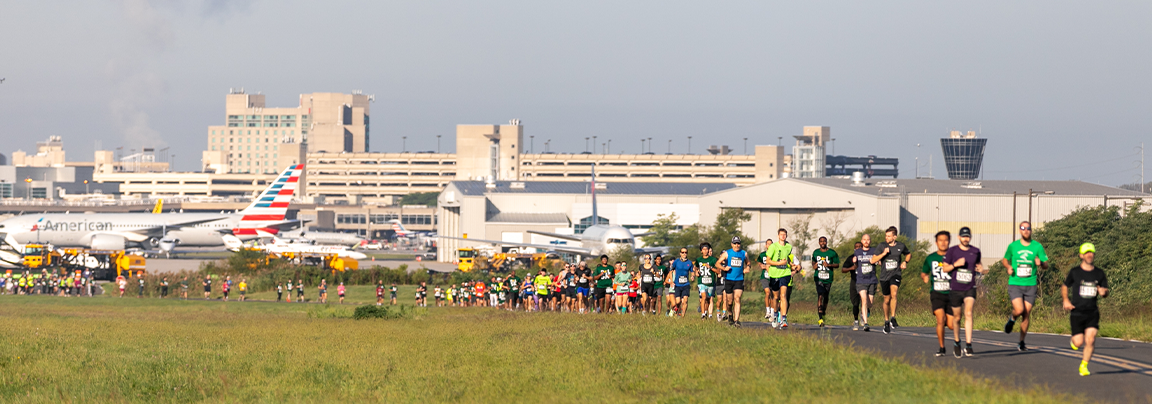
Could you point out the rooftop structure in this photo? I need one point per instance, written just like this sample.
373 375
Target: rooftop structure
963 155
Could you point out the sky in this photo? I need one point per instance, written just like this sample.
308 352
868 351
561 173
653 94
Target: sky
1060 88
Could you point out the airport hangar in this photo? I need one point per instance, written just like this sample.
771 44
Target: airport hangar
506 210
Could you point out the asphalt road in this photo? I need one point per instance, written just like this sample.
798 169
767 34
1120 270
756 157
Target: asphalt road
1121 370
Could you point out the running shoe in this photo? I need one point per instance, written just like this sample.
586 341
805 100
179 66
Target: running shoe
894 324
821 323
773 323
887 327
784 324
956 350
941 352
766 315
731 322
968 351
738 324
856 325
1074 347
1008 325
1021 347
1084 369
867 328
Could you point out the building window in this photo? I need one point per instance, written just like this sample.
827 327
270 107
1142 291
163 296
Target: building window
353 218
585 223
6 190
39 193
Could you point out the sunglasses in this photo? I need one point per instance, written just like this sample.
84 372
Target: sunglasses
1025 228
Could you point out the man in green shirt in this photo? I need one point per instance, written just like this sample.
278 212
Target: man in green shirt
780 263
824 260
602 274
940 284
769 302
707 280
1021 259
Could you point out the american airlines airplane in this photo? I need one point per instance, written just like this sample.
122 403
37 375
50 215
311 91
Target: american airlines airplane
164 231
594 241
301 236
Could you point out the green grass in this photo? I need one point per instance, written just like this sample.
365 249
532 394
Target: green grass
148 350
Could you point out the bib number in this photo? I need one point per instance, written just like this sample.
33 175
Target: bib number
964 276
824 275
682 279
1088 290
890 265
865 268
736 262
1023 271
706 279
941 286
647 278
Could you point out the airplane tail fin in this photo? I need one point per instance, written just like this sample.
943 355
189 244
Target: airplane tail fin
232 242
399 228
159 206
272 204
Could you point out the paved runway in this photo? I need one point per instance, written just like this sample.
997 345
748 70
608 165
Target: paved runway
1121 370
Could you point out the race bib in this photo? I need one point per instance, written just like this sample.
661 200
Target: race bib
1088 290
706 279
865 268
890 265
1023 270
647 278
824 275
682 279
941 286
736 262
964 276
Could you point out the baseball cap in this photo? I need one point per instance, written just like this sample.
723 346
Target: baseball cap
1087 248
736 240
965 232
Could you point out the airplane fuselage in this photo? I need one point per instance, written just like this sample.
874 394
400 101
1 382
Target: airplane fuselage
76 230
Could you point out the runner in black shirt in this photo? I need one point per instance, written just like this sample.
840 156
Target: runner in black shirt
1085 283
850 269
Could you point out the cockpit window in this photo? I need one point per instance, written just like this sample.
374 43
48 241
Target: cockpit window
619 241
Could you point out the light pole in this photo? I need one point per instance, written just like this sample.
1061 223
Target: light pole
437 144
586 138
532 144
609 146
833 141
641 145
29 182
917 160
649 145
669 146
593 144
86 187
689 144
404 144
604 148
745 146
780 140
546 144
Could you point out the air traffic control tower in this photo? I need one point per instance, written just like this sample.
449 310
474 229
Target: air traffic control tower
963 155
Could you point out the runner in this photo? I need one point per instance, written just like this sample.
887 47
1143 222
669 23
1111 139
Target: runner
681 274
660 271
769 303
300 290
893 259
964 260
163 287
707 283
543 283
243 287
226 286
603 275
1089 283
183 288
850 269
933 274
648 286
279 291
289 297
865 278
323 291
778 260
140 291
207 286
734 264
513 290
1021 259
622 279
392 291
824 261
120 281
583 281
379 292
340 292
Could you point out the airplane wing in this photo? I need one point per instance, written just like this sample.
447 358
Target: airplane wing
649 250
161 228
557 235
546 247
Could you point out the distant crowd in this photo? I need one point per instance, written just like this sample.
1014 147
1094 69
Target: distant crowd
45 283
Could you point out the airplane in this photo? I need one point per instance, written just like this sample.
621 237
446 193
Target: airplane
163 231
301 236
278 246
596 240
400 231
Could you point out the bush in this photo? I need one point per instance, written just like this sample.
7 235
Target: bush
382 312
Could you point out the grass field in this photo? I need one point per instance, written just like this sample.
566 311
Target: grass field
120 350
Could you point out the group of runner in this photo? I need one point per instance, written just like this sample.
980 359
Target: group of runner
46 283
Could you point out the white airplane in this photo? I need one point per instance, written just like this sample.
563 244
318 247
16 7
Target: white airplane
596 240
157 231
301 236
279 247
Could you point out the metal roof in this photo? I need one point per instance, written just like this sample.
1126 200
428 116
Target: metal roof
580 187
975 187
517 217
